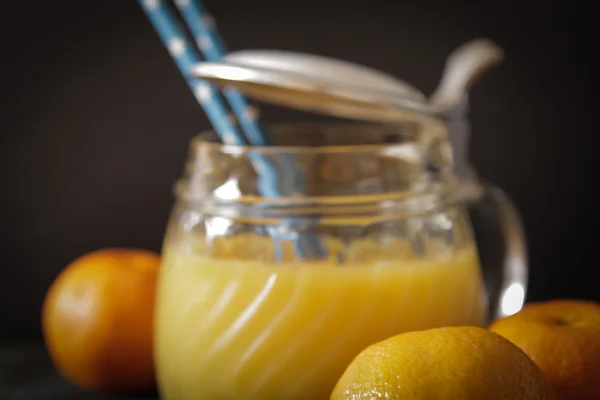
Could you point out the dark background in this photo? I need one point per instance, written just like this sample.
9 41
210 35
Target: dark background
96 122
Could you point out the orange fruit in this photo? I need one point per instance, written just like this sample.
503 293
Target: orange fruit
97 320
563 338
466 363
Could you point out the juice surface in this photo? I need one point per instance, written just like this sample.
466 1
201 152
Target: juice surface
228 328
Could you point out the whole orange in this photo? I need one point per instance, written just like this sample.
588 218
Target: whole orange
563 338
97 320
456 363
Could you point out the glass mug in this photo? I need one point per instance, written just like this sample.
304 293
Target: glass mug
241 315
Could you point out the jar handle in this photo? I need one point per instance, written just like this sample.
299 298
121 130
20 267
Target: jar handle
509 296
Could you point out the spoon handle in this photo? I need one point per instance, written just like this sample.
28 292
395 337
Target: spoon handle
464 67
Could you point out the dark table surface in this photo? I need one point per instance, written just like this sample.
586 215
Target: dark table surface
26 373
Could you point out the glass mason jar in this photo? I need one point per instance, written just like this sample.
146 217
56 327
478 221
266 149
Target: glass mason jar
266 297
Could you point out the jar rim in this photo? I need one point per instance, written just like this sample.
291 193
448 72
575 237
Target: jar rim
341 164
209 140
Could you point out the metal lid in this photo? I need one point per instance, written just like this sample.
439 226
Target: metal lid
314 83
342 72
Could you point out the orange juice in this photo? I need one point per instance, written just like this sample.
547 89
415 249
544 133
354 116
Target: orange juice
233 328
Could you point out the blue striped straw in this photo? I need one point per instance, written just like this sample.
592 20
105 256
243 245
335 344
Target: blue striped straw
203 27
185 55
212 46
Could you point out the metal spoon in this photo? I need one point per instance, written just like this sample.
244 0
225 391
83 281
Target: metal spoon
358 92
